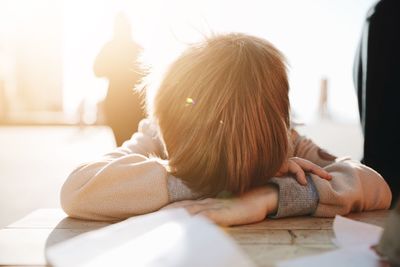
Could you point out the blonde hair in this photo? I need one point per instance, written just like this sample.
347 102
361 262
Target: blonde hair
223 112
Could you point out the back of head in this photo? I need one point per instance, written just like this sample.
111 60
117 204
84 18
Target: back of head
223 112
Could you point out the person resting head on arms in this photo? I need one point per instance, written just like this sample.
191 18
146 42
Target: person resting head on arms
219 125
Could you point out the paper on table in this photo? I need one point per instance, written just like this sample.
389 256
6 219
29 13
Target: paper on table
164 238
354 239
350 233
344 257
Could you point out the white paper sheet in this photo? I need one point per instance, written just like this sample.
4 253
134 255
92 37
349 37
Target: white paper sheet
354 240
350 233
344 257
165 238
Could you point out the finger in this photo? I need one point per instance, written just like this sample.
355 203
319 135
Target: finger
313 168
321 173
298 172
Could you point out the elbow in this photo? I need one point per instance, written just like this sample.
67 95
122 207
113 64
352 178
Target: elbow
385 194
76 207
77 203
374 193
69 202
376 190
354 188
71 199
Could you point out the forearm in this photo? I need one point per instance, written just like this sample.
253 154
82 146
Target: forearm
122 183
125 187
353 188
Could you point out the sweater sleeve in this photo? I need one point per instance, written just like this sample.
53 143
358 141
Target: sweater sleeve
126 182
294 199
354 187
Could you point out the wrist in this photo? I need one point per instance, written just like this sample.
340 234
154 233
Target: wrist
263 199
271 198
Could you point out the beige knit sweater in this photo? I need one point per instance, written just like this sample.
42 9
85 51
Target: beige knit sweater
132 180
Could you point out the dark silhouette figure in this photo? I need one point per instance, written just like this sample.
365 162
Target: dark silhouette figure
377 80
117 61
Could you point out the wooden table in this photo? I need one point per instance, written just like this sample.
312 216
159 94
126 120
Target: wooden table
24 242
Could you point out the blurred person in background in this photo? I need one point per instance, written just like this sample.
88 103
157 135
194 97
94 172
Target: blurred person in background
377 81
117 61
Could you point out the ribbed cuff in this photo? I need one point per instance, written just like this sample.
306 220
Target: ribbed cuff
177 190
295 199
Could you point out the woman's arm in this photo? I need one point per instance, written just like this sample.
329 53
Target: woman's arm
124 183
354 187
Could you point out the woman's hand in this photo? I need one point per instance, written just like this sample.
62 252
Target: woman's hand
298 167
253 206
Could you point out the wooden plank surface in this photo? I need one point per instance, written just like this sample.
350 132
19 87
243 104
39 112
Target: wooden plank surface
54 218
25 241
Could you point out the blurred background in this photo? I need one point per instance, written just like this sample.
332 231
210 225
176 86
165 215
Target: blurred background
50 99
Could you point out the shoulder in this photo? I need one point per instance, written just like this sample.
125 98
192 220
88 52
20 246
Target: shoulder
149 136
